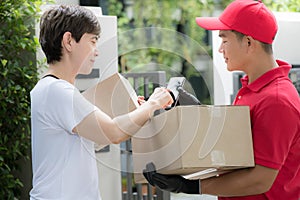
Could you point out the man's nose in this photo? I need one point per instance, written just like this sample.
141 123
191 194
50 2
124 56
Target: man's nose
221 49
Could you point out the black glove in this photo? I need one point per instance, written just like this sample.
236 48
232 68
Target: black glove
171 183
186 98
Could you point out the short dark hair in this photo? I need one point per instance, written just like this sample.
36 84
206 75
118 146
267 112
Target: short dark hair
267 47
60 19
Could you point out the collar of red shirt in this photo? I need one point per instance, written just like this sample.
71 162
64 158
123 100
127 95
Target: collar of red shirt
266 78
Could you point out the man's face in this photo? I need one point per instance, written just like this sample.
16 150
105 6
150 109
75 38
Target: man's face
86 53
233 50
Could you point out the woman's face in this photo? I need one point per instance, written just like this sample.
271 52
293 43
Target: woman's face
86 53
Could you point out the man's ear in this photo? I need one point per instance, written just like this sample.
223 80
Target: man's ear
67 41
251 43
249 40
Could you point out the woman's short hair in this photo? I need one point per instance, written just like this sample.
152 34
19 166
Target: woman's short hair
60 19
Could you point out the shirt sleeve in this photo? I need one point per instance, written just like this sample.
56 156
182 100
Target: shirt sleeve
68 106
274 127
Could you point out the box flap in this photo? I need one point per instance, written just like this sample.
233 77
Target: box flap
114 95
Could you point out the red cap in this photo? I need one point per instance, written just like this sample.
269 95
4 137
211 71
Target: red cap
245 16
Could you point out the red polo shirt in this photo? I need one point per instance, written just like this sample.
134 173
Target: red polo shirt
275 121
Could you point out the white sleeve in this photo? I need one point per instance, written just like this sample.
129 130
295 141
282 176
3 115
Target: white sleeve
68 106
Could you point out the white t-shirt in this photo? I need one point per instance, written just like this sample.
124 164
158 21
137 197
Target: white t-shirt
63 163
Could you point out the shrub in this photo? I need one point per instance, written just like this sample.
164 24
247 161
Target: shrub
18 75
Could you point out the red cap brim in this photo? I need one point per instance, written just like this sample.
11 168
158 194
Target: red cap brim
211 23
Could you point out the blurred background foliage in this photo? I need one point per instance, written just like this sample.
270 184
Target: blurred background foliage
18 75
283 5
162 35
174 15
142 24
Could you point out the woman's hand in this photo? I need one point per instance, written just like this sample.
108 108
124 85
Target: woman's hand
161 97
141 100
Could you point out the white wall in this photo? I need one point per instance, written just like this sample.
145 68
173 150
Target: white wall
287 40
222 77
70 2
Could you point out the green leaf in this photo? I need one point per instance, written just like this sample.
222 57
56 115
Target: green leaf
4 62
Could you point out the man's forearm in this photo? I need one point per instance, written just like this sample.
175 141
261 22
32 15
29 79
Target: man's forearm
244 182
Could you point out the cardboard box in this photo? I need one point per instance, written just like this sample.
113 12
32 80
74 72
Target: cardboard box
114 95
184 140
190 139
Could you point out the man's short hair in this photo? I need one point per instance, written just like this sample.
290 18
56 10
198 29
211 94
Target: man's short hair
268 48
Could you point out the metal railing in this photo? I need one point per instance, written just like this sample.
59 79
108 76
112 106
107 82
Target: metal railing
143 84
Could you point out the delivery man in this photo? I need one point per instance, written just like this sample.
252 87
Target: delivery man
247 29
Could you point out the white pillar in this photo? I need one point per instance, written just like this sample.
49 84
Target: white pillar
222 77
69 2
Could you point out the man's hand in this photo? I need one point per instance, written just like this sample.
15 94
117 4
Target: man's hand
171 183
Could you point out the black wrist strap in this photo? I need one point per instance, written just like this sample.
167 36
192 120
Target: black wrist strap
191 187
51 75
